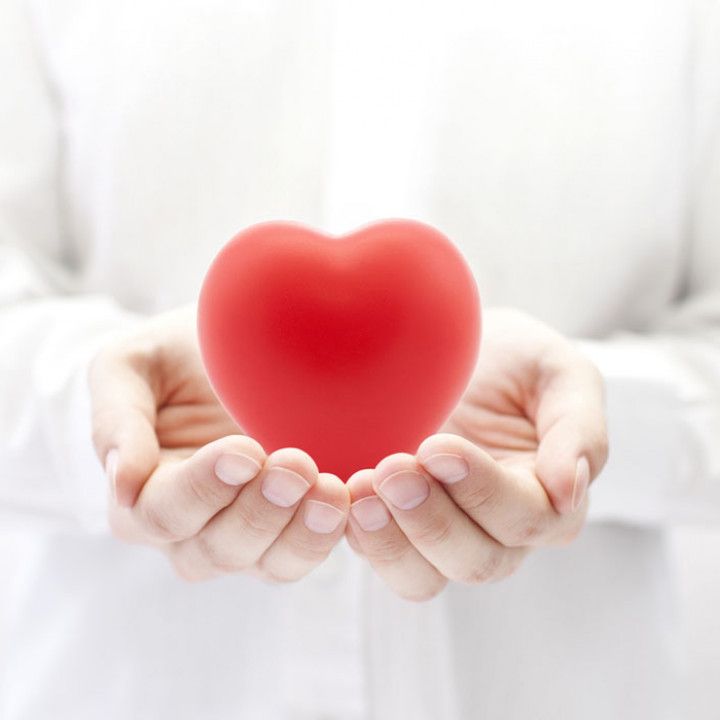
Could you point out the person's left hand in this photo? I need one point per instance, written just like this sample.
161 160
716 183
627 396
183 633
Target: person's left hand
509 472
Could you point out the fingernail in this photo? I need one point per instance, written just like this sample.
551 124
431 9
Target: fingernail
582 480
370 513
321 517
236 469
447 468
111 463
284 487
405 489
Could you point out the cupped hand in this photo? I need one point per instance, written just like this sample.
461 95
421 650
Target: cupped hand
509 471
184 478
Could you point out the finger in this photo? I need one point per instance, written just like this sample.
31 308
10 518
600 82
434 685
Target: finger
570 420
181 496
123 421
238 535
510 504
312 533
352 540
386 547
435 525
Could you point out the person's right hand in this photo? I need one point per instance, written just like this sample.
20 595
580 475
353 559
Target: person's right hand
183 477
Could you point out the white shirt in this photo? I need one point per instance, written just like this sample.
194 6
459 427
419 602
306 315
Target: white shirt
572 151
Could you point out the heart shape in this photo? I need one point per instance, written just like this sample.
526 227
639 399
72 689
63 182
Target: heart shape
350 348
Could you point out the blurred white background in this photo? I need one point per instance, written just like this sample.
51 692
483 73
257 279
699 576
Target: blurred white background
698 560
697 553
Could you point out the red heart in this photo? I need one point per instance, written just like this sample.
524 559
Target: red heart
351 348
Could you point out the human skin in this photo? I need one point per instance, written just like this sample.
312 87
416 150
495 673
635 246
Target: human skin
508 472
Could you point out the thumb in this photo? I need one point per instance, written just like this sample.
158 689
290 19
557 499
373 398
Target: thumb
571 427
123 422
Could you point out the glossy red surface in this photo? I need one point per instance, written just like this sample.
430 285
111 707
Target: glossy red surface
351 348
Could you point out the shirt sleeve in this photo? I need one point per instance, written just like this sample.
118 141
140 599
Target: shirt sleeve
663 387
48 330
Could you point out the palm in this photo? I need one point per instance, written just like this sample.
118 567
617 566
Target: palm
495 422
188 414
496 411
